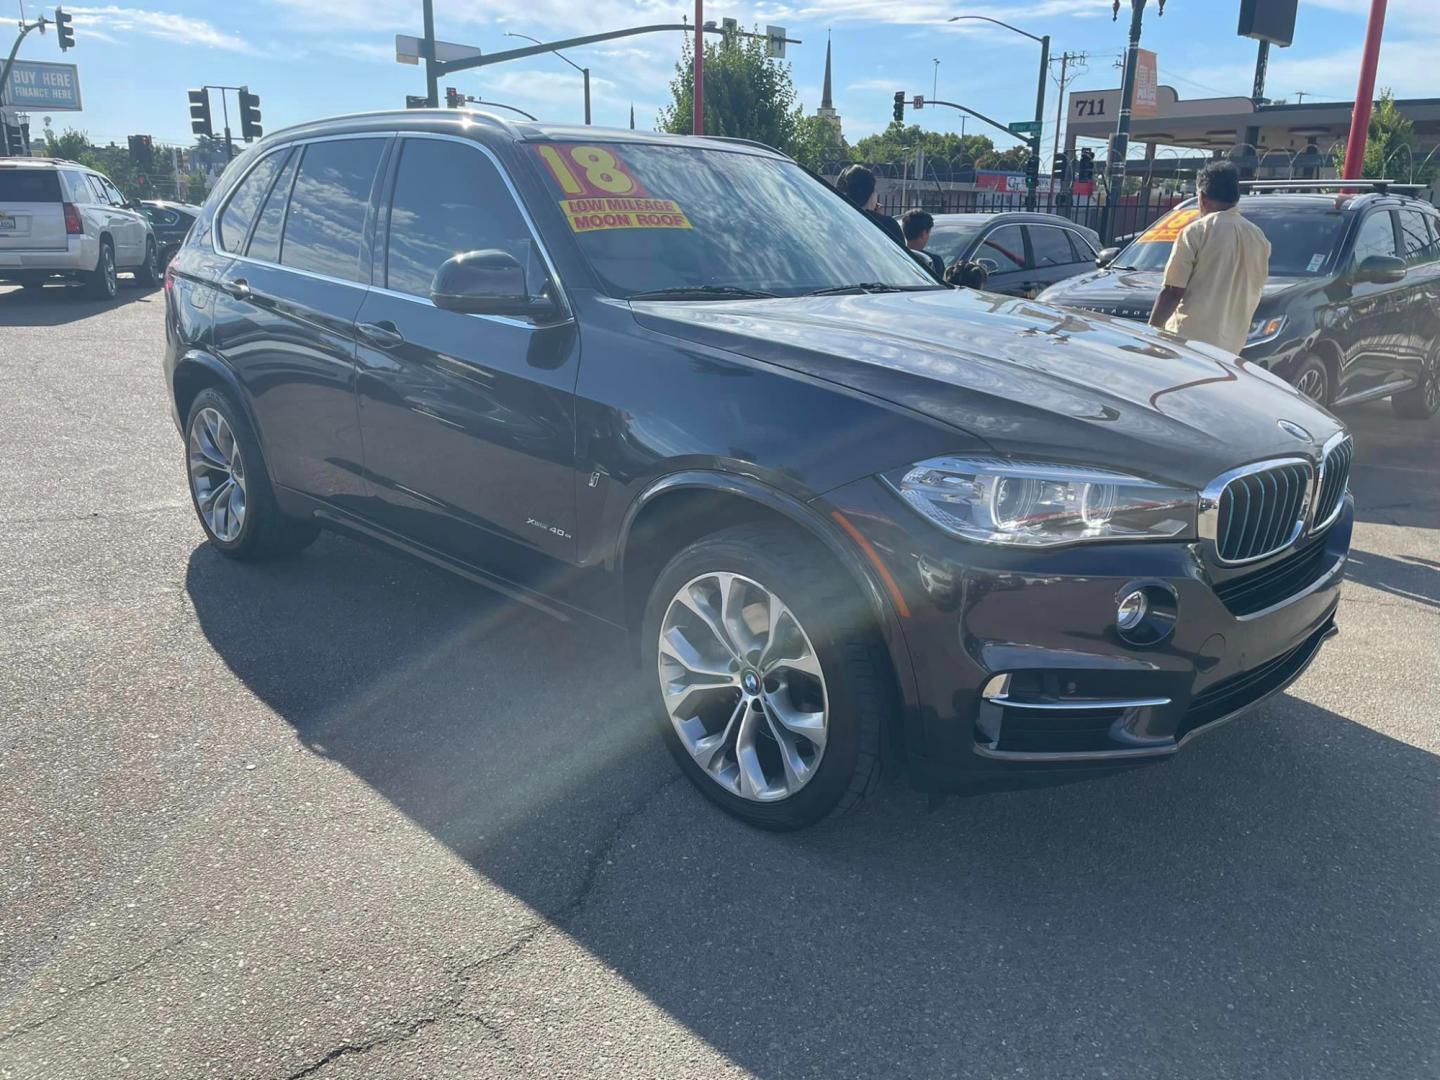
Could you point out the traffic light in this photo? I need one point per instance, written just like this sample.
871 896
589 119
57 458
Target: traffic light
142 150
65 29
1057 167
200 113
250 115
1032 171
899 112
453 98
1085 167
14 138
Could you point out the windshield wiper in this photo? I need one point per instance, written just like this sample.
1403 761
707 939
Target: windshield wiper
866 287
703 292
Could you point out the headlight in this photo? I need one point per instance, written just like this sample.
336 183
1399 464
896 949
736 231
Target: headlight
1265 329
1035 504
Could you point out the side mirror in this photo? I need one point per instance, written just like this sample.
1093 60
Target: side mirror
486 282
1106 256
1381 269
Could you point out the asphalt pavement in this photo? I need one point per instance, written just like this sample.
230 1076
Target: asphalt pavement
346 816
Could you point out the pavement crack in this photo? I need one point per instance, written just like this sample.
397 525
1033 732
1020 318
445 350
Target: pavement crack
406 1031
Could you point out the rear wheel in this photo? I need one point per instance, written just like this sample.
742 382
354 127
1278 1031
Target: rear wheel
230 487
1312 378
772 698
101 282
1422 400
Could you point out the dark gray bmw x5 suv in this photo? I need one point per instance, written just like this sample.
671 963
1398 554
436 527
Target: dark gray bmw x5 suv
677 386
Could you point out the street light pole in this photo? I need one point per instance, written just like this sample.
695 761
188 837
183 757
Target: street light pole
584 71
1365 93
1039 93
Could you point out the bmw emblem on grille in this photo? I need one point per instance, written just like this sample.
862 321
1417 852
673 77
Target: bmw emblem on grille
1292 428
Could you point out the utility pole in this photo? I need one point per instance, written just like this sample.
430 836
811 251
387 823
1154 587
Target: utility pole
1120 147
229 143
1066 59
698 94
1364 93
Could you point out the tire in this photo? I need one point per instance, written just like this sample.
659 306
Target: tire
241 522
823 625
146 274
1312 378
101 282
1421 401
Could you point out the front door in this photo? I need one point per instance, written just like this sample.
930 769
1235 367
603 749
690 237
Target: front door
1370 333
1002 252
468 420
1052 255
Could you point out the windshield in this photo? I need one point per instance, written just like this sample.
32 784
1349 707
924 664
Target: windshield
671 218
1302 238
950 241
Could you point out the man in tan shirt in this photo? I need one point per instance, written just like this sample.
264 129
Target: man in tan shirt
1217 267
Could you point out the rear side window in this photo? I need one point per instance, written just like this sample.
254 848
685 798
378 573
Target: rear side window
265 243
1082 249
1004 247
1050 246
29 185
326 223
97 190
240 210
1418 240
449 199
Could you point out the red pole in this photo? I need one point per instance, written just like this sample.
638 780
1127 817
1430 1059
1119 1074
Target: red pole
699 95
1364 94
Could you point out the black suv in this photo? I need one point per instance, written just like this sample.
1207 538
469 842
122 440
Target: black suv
1352 308
679 386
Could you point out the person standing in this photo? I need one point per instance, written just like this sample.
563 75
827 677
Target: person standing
1217 267
856 184
916 225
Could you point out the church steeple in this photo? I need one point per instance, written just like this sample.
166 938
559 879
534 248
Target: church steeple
826 101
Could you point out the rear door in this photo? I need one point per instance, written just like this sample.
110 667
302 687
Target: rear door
1420 309
131 227
468 420
1052 254
32 216
1002 252
299 225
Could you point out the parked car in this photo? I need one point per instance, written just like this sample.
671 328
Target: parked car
63 221
170 222
1351 311
678 386
1022 252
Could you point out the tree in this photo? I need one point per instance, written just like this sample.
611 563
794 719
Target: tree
1390 146
747 95
817 141
899 142
71 146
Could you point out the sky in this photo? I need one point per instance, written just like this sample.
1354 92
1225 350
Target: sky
314 58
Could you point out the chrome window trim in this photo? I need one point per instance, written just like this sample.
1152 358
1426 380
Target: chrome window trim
1333 443
1208 515
490 155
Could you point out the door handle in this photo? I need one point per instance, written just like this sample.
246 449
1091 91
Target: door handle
239 288
383 335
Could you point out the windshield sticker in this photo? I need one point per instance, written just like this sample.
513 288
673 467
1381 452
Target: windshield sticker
591 171
593 215
1316 261
1168 228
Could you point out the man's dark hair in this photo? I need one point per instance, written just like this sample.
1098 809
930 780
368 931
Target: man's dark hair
1220 182
966 275
916 223
856 183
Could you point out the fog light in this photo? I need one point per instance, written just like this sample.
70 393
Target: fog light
1131 611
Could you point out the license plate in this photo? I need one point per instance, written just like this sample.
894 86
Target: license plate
7 223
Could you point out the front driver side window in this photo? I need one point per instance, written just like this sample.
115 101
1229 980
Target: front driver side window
450 199
1376 237
1005 247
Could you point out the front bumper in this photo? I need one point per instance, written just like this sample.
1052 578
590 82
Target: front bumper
1078 696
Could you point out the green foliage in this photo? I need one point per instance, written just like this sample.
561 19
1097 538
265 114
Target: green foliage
747 95
899 142
1390 146
114 162
818 140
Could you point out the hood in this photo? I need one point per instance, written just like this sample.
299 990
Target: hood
1028 378
1131 294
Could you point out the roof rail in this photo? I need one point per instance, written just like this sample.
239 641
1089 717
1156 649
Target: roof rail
39 160
1379 186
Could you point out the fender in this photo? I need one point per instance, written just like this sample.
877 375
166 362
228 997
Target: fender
813 518
215 370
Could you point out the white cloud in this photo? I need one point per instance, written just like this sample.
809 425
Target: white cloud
1407 67
165 25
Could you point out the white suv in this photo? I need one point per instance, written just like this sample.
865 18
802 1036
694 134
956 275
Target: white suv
59 219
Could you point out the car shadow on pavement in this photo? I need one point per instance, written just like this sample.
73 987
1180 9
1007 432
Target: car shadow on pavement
1261 906
1412 577
57 305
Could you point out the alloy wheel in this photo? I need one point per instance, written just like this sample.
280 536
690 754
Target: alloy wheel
743 687
107 267
1430 382
1312 384
217 474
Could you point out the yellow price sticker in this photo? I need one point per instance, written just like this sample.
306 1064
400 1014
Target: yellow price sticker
595 215
1169 227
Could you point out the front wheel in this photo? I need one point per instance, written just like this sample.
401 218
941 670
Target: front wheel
1312 378
1422 400
230 488
770 685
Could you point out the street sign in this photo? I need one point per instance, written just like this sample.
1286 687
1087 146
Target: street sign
918 101
775 47
407 50
1024 127
43 87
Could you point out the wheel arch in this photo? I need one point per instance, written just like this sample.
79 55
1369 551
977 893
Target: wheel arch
199 370
676 510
